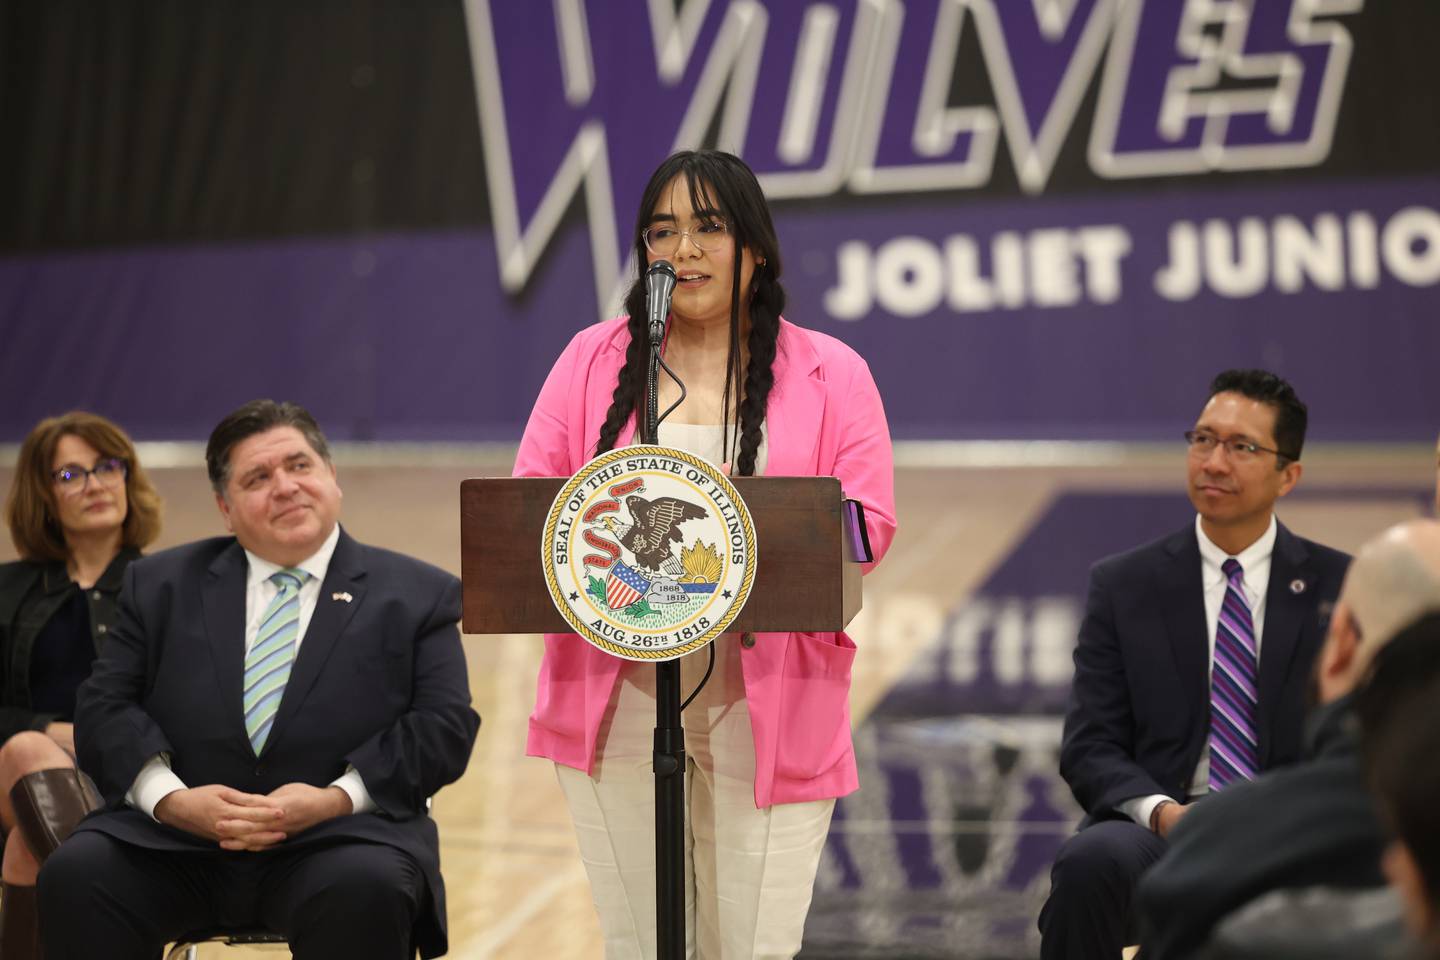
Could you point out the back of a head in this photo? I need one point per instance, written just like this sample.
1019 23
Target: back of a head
1399 711
1393 581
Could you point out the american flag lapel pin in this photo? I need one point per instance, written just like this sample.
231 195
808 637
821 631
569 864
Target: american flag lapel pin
341 595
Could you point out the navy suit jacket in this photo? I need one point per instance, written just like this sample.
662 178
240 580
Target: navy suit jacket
379 682
1140 703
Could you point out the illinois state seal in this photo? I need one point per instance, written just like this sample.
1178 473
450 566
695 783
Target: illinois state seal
649 552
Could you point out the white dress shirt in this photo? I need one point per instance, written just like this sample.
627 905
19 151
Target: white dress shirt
156 780
1254 563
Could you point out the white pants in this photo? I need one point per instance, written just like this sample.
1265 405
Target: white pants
749 872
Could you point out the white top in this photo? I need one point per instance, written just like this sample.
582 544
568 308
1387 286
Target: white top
156 780
707 440
1254 563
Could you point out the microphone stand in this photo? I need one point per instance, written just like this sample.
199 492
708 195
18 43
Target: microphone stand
669 753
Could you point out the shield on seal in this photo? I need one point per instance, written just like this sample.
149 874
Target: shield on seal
624 586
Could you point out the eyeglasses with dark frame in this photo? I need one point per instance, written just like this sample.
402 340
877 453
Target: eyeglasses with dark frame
1202 444
72 478
663 239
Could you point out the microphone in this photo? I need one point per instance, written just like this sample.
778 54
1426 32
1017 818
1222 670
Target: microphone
659 287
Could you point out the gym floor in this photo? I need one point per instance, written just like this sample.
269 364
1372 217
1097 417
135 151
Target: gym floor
959 685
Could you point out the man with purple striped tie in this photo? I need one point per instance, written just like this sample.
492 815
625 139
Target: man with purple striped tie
267 722
1192 664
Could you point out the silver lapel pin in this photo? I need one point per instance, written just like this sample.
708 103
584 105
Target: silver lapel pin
342 595
1297 587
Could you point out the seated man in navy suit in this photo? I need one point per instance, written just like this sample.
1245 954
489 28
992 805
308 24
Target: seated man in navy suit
1193 661
267 721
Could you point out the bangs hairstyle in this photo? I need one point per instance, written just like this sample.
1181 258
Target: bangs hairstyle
31 510
720 185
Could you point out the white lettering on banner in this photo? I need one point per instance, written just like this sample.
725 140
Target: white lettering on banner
1030 642
1007 642
1364 252
1182 88
1198 123
1288 255
1410 246
914 276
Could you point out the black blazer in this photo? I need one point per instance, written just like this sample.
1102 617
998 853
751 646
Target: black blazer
1312 825
379 682
30 593
1140 703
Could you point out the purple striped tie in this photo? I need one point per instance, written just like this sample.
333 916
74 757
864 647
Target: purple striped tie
1234 754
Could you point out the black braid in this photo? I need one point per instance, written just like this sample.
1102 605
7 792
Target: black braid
766 303
630 387
733 378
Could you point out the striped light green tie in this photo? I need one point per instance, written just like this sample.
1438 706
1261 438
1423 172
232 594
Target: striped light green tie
268 662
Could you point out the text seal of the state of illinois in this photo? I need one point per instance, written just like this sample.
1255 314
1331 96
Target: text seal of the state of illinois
649 552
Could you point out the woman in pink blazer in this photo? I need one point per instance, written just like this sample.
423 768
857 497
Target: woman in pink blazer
768 738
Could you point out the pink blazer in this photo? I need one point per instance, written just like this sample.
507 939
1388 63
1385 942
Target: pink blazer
824 418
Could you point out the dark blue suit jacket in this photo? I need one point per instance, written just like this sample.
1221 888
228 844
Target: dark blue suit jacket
379 682
1140 704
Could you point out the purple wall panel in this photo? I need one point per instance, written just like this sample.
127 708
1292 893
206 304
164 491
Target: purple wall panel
400 337
1052 315
983 198
409 336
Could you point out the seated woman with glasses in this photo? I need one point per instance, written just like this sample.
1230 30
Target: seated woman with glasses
80 509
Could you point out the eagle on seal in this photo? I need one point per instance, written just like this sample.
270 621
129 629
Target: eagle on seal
656 528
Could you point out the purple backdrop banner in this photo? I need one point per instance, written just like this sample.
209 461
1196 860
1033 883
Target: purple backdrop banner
1034 219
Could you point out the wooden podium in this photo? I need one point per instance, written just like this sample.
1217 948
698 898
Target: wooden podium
808 542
